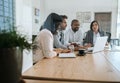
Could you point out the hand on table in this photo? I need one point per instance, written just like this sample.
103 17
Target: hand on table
75 44
88 45
59 50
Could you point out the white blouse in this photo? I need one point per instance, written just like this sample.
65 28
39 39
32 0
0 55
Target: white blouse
95 36
44 46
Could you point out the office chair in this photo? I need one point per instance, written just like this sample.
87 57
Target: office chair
109 37
33 38
112 41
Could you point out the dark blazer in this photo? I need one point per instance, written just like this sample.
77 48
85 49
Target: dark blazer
89 37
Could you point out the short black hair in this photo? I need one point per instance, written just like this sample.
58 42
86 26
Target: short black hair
64 16
74 20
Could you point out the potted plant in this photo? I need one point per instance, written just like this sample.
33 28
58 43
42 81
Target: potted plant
11 53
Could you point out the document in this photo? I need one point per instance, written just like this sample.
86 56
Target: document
71 55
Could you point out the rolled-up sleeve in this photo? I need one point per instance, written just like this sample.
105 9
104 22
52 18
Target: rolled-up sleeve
57 43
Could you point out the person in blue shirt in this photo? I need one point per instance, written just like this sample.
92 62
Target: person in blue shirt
59 36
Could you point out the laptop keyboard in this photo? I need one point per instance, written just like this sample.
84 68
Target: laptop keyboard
90 48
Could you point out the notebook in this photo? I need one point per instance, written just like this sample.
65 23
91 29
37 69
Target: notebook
67 55
99 45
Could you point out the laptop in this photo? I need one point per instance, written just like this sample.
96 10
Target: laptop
67 55
99 45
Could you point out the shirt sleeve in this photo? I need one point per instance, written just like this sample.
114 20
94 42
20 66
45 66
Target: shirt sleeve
66 38
88 38
47 45
57 43
80 38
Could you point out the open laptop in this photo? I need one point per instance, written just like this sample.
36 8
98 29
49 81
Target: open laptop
99 45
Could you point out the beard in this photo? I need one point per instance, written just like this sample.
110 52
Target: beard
75 29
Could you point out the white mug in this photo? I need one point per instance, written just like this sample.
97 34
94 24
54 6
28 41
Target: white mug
71 47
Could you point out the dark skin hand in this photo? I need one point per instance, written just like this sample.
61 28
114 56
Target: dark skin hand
88 45
75 45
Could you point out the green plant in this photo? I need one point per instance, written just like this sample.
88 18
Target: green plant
10 39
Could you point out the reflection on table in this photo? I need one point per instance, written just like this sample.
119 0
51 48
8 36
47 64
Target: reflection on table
46 81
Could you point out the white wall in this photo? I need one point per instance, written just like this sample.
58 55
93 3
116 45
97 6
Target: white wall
118 20
24 17
35 26
25 22
70 7
39 4
24 26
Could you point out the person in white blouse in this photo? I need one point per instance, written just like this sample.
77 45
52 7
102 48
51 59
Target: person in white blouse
74 35
43 44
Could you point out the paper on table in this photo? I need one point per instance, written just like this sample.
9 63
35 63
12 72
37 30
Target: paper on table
67 55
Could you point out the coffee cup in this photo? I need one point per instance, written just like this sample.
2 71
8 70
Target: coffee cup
81 52
71 47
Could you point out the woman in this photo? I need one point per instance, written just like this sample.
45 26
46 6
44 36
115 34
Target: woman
92 34
43 44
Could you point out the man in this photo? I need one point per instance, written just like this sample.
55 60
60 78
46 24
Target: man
74 35
59 37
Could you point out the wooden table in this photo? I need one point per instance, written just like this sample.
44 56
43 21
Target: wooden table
46 81
99 67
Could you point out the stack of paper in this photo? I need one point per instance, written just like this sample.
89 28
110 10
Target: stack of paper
67 55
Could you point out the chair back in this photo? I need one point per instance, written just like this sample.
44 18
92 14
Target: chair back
109 36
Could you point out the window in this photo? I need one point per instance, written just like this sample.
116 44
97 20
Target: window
7 17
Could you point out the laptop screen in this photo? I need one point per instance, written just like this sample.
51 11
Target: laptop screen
100 44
